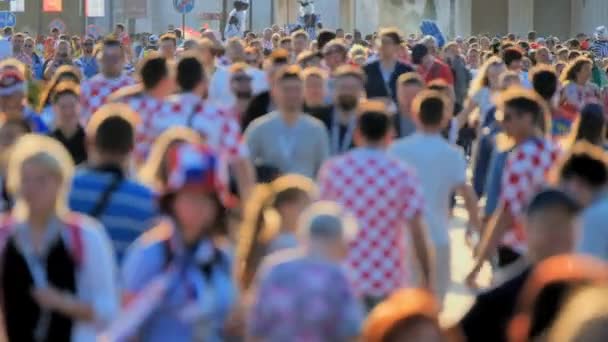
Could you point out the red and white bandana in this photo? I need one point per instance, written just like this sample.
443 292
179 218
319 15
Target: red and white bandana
94 92
524 175
384 195
220 131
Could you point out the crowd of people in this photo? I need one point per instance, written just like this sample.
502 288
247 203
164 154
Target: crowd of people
277 188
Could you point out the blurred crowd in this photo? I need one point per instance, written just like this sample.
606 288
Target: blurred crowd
271 187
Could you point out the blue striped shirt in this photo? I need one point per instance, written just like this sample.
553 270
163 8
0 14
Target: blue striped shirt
131 209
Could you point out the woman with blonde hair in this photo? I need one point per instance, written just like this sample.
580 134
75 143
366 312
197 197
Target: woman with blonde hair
269 222
358 55
577 88
483 88
59 274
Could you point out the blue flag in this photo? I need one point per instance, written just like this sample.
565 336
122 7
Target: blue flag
430 28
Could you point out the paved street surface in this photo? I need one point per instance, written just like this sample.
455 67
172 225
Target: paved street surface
459 299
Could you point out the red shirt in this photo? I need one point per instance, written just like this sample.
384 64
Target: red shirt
94 92
385 196
439 70
525 174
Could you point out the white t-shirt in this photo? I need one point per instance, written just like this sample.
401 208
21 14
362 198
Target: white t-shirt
440 168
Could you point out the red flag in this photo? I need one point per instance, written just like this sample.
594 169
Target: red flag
52 5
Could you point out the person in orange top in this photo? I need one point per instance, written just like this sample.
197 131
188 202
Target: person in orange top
407 315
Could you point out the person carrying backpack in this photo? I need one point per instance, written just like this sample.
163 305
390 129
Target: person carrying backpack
57 268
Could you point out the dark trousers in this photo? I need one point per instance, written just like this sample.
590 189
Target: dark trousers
507 256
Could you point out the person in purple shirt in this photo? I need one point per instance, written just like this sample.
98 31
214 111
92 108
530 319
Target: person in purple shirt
304 294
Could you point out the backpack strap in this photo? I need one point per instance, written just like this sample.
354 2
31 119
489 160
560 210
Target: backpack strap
104 198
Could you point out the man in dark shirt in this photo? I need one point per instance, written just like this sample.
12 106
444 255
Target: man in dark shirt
382 75
551 230
341 118
67 128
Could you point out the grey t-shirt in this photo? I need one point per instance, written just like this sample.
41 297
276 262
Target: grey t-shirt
300 148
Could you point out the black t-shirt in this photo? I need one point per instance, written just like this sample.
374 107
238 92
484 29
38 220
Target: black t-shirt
489 317
23 313
74 144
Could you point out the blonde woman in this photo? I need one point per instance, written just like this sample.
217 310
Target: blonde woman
59 274
577 89
358 55
270 221
485 85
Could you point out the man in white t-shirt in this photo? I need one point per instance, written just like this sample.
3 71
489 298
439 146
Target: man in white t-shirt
441 169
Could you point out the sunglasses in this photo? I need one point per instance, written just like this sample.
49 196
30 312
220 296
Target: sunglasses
242 78
28 46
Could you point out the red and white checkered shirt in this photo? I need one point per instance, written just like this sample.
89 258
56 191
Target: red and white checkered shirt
148 108
94 92
384 194
221 131
524 175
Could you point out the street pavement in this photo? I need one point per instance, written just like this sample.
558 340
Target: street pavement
460 298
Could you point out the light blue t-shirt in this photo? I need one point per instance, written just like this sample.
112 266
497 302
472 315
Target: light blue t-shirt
594 234
440 168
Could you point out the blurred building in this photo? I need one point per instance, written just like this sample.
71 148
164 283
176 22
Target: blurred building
456 17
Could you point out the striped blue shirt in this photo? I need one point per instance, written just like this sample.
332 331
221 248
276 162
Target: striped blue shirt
131 209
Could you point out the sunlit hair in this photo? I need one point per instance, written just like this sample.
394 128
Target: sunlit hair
357 50
482 80
153 171
573 68
14 64
108 110
262 223
542 122
44 152
314 72
397 312
63 72
547 287
507 77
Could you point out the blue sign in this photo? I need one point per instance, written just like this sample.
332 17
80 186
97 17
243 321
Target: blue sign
7 19
183 6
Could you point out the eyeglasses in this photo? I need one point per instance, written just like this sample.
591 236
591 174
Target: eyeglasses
28 46
241 78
